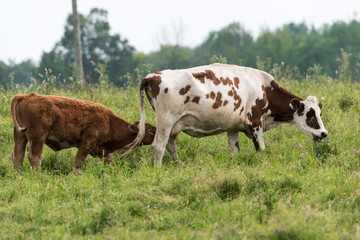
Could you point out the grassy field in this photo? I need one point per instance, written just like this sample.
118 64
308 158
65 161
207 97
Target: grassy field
296 190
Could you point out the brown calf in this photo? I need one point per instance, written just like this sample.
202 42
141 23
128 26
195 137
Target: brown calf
61 122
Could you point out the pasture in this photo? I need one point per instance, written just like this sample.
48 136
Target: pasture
295 190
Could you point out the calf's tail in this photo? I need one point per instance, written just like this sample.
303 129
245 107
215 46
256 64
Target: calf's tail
137 141
14 103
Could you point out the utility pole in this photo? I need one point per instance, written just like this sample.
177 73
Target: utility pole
77 44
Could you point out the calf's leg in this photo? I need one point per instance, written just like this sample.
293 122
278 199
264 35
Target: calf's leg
20 141
171 147
86 146
81 155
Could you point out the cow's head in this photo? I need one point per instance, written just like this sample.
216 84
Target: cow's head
149 132
307 117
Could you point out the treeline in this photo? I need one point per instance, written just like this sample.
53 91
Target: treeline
297 45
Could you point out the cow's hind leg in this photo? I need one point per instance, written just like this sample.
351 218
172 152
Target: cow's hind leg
171 147
163 129
35 152
233 140
20 141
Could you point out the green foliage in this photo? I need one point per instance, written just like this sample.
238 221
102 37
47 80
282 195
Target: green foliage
344 68
227 189
346 102
218 59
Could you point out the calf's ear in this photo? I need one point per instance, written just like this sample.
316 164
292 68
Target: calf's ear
133 128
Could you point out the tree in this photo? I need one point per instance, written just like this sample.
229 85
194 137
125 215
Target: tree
171 57
77 44
98 46
3 71
232 42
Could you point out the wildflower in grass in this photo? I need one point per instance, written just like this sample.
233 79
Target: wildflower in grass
344 193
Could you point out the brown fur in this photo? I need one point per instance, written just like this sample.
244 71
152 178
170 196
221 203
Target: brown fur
279 100
154 83
196 99
61 122
184 90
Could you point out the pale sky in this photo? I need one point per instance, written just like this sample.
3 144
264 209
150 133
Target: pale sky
30 27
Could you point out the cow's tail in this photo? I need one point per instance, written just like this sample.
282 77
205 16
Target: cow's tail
14 103
137 141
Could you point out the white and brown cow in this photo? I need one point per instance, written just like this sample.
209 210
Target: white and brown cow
61 122
208 100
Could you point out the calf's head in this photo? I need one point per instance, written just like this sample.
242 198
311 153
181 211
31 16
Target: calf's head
307 117
149 132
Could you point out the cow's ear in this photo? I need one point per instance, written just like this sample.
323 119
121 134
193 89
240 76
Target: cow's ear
295 103
133 128
320 105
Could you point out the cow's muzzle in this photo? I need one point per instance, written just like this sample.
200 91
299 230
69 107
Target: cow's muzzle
322 136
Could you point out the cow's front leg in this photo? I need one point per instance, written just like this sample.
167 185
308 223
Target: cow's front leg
258 138
233 140
84 149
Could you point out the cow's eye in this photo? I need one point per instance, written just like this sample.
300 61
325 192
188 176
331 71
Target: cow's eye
310 114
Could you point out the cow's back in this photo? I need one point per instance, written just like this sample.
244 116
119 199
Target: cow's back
216 96
60 116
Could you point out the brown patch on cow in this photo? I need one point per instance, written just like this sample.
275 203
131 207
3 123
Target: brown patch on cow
207 95
218 101
225 102
237 145
226 81
237 81
257 111
187 99
157 72
237 99
242 109
230 93
166 90
184 90
211 76
154 83
256 143
200 76
212 95
311 119
279 102
196 99
300 110
320 105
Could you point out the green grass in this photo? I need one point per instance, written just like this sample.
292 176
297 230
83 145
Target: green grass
295 190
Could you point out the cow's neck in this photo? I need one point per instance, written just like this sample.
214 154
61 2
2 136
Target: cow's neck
279 103
121 134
